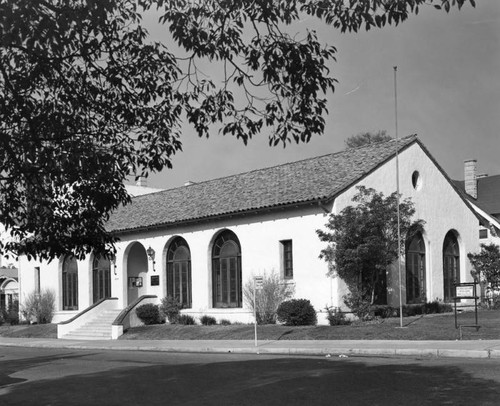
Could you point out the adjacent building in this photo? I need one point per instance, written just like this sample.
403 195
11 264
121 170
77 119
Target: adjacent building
9 288
483 193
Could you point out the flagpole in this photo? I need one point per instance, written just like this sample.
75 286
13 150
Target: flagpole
398 200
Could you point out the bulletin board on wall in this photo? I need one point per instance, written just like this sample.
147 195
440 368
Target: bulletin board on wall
134 281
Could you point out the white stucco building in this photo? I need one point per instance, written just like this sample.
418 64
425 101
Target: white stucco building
203 241
9 281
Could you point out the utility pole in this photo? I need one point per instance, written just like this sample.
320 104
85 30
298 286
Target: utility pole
398 199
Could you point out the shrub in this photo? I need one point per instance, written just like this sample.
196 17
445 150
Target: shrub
171 308
382 311
436 307
359 305
424 308
148 313
297 312
39 307
413 310
225 322
186 320
495 305
207 320
274 291
336 317
13 313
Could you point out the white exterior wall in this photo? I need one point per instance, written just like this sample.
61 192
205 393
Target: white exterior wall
51 278
437 203
259 237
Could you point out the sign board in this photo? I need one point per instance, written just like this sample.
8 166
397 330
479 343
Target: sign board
134 282
155 280
259 281
465 291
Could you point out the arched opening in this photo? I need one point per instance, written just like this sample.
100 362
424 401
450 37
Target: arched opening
226 270
9 293
179 271
70 283
101 278
137 268
415 269
451 265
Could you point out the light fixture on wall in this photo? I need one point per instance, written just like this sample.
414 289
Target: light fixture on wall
112 261
151 255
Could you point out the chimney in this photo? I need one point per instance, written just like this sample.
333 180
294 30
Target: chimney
141 181
470 169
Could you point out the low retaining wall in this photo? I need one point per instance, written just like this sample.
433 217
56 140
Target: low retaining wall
86 315
128 318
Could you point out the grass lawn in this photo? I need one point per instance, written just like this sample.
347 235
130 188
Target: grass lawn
29 331
428 327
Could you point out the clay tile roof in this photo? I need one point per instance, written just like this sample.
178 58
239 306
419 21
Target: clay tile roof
301 182
8 272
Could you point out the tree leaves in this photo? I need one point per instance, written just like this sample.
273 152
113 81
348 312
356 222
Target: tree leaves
354 15
486 264
366 138
363 238
87 99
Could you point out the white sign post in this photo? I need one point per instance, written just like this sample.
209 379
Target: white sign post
257 284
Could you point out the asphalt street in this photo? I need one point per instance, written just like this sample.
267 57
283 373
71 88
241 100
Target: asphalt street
43 376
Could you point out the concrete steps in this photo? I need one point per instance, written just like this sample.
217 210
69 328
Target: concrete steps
98 328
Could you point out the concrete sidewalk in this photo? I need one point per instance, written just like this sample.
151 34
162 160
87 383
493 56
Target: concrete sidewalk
464 349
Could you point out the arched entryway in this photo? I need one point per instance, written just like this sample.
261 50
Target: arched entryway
226 270
451 265
179 271
101 279
137 269
415 269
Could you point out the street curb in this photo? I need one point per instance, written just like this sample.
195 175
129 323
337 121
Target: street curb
468 353
337 352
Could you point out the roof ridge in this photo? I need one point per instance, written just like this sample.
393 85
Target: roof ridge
487 177
478 179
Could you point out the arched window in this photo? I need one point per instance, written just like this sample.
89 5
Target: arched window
226 270
70 284
415 270
179 271
451 265
101 279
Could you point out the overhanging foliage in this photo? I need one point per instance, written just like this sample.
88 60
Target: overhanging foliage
87 99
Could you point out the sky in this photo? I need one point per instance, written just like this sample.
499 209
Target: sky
448 90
